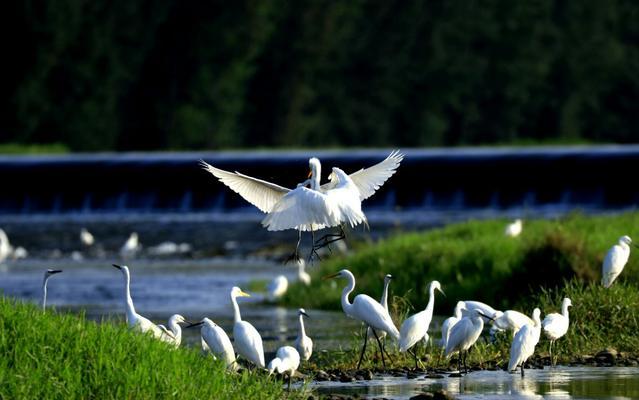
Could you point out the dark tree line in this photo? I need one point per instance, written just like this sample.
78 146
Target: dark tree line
169 74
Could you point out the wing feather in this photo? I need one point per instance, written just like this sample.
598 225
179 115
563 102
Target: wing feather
372 178
260 193
302 209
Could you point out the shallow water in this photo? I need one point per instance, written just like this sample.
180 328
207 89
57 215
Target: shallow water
549 383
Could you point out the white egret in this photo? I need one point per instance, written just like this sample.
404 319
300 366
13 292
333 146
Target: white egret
5 246
47 274
511 320
86 237
303 343
556 325
302 275
523 345
364 308
286 362
414 328
277 288
247 339
307 209
484 308
615 260
464 334
175 330
133 319
513 229
450 322
384 302
131 247
217 341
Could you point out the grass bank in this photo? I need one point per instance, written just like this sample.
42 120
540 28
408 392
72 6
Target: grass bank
50 355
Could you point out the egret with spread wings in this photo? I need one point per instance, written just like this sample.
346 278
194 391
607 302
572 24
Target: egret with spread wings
316 207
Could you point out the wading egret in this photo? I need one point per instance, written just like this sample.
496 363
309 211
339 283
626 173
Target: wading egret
305 209
513 229
556 325
175 336
463 335
415 327
512 320
384 302
217 341
364 308
615 260
86 237
131 247
133 319
47 274
524 343
277 288
302 275
303 343
247 339
450 322
286 362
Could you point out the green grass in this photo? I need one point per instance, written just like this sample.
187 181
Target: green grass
50 355
19 148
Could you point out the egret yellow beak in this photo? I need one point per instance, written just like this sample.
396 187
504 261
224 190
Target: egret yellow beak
335 275
310 173
244 294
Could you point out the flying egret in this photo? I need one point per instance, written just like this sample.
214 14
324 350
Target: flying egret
511 320
464 334
303 343
286 362
302 275
523 345
174 334
305 209
414 328
513 229
247 339
131 247
556 325
133 319
47 274
277 288
384 302
364 308
450 322
86 237
615 260
217 341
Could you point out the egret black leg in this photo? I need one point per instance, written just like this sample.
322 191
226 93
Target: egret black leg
380 348
290 377
522 368
459 361
361 356
465 366
385 352
295 256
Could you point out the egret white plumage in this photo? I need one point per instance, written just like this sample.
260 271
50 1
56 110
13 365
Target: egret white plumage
485 309
286 362
131 247
175 336
414 328
307 209
556 325
303 343
615 260
450 322
217 341
464 334
133 319
512 320
364 308
86 237
5 246
384 302
47 274
514 229
277 288
523 345
302 275
248 341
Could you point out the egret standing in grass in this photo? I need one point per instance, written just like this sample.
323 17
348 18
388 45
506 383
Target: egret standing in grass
364 308
463 335
415 327
47 274
514 229
217 341
384 302
174 332
523 345
286 362
277 288
450 322
303 343
556 325
133 319
247 339
615 260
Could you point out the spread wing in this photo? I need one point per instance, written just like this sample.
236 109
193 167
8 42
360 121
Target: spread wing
372 178
303 209
261 194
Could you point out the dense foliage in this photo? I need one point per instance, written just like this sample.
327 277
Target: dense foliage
174 74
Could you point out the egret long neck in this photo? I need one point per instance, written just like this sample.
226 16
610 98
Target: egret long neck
431 301
346 304
176 329
302 331
384 299
237 317
128 301
316 174
564 310
44 292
